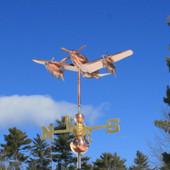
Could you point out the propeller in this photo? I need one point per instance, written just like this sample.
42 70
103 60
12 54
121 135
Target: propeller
81 48
63 60
68 51
72 52
64 49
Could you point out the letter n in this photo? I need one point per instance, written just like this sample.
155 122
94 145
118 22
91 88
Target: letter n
49 133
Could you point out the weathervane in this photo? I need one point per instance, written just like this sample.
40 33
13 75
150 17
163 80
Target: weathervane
79 145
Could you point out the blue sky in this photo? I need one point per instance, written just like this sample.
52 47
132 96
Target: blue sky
37 29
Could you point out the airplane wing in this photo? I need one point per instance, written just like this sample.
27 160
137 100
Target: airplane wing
41 61
66 66
98 64
70 67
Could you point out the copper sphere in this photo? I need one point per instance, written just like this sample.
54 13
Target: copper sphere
79 118
79 145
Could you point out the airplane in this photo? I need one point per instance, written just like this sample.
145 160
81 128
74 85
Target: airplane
80 62
58 68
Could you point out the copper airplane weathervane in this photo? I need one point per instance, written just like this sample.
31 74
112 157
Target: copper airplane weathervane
81 62
79 145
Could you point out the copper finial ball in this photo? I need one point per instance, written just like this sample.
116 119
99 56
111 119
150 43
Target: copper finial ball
79 145
79 118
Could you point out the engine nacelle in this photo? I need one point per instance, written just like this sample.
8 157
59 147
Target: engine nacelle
55 69
108 63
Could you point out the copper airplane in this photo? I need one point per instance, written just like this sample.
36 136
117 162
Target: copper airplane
57 68
80 61
53 66
87 68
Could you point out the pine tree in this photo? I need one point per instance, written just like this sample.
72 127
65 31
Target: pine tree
3 161
16 143
166 159
41 155
141 162
167 100
61 145
109 161
168 22
168 60
165 124
31 164
84 164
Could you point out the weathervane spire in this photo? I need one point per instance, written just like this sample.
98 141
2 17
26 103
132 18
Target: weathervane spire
79 91
79 145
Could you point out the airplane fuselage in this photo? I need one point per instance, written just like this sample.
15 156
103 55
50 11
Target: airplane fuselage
78 59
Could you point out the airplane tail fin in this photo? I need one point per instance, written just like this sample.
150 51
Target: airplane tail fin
62 75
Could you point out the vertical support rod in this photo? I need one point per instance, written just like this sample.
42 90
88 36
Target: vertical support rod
79 94
79 162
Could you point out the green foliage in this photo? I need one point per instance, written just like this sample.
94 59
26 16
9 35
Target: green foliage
168 22
163 124
109 161
61 145
3 159
168 60
16 143
167 99
84 164
41 152
31 164
141 161
166 159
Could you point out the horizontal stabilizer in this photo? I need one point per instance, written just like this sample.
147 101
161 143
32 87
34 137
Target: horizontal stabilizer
104 74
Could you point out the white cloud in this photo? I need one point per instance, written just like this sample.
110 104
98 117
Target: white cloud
40 110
